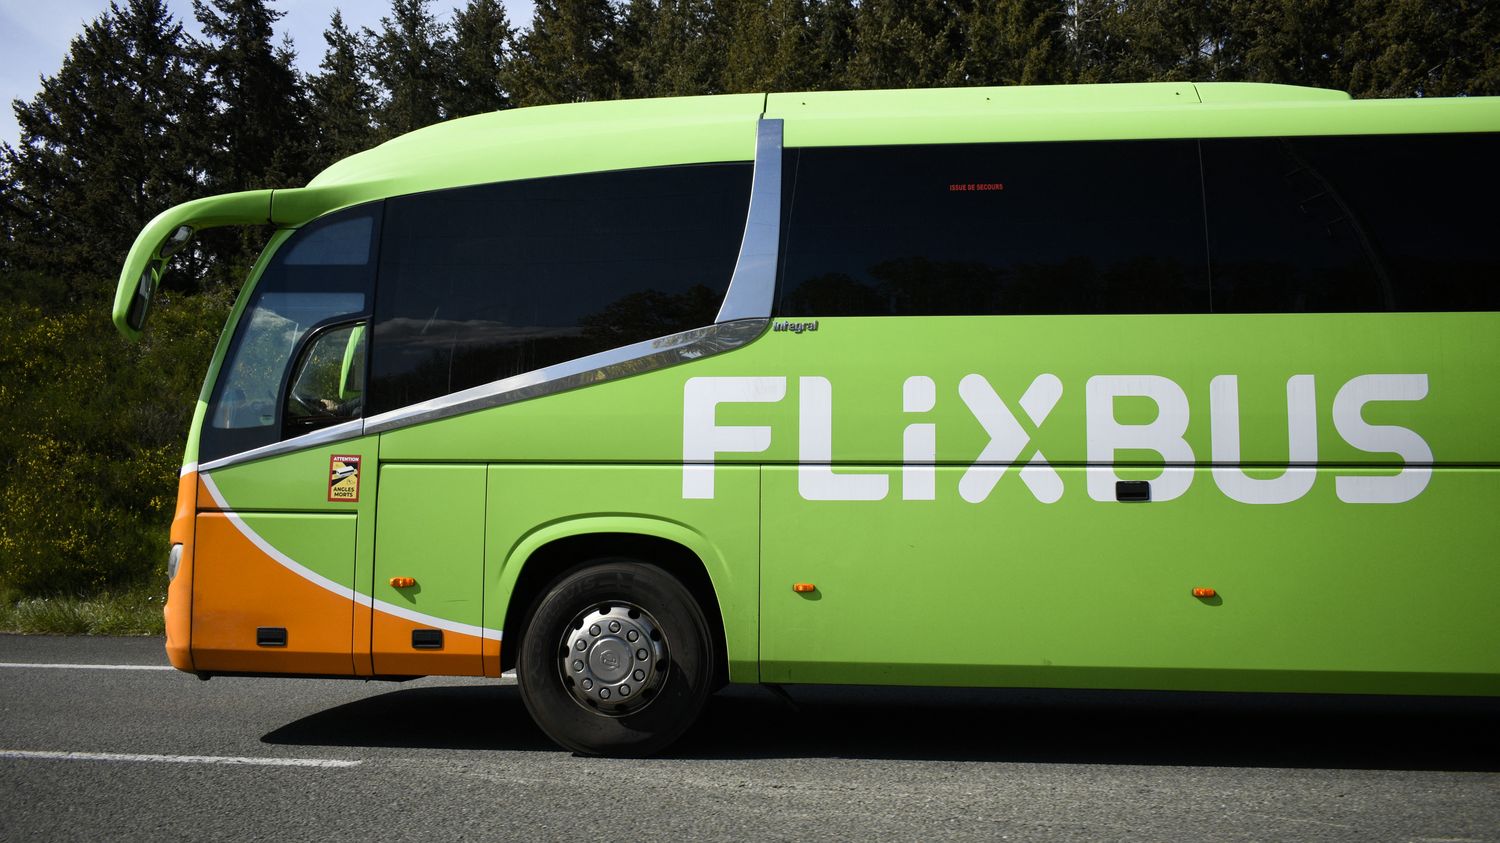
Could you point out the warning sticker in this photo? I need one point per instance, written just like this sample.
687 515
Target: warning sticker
343 478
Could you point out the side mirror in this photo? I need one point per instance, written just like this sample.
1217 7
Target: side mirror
140 306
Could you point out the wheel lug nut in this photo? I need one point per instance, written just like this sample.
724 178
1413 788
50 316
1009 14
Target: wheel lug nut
614 626
577 665
640 675
588 684
580 646
632 635
624 690
593 629
603 693
641 654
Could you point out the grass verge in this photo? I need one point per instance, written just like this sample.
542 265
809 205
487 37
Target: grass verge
136 612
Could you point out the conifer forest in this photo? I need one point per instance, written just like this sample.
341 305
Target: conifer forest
143 115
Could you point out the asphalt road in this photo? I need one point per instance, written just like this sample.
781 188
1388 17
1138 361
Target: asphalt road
93 753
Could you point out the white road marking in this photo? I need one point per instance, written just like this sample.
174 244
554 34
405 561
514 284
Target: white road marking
177 759
90 666
506 678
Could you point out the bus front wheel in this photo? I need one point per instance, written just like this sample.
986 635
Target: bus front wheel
616 659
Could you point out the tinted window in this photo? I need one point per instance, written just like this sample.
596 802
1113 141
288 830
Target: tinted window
1353 223
324 272
481 283
1107 227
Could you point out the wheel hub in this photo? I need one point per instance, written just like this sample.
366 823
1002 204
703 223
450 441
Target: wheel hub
614 658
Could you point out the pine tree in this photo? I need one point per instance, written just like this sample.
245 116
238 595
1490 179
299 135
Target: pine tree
341 97
671 48
258 125
644 53
1091 33
105 145
900 44
482 43
9 215
1292 42
1403 48
1164 40
769 47
1015 42
830 25
570 54
410 61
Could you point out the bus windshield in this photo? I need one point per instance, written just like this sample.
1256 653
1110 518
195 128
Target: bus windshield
321 274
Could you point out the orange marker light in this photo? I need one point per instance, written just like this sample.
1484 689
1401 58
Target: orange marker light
402 582
1205 592
804 587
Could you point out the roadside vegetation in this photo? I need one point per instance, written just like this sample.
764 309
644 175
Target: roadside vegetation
135 612
142 116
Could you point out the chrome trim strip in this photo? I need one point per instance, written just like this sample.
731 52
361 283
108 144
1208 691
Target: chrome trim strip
327 436
752 288
596 368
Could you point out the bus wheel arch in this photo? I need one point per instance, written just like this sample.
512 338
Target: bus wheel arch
559 558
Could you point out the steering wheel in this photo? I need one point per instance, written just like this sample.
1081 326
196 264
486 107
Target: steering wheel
312 409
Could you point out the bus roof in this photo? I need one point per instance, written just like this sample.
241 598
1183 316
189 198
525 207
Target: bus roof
585 137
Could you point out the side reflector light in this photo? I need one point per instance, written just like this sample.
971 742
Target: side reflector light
402 582
804 587
1205 592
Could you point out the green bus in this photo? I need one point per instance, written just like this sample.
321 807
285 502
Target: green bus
1161 386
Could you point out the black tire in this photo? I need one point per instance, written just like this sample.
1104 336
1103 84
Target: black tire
647 722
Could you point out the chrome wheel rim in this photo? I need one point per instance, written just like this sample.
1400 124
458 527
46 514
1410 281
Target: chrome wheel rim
613 658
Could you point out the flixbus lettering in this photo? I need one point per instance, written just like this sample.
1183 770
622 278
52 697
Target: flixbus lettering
539 359
703 439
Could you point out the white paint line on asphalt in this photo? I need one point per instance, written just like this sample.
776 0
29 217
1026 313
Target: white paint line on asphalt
90 666
176 759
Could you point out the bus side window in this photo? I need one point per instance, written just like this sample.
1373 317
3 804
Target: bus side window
327 386
1282 236
1354 224
478 284
989 229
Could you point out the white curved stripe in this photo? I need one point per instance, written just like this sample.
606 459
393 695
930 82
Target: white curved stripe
341 590
281 558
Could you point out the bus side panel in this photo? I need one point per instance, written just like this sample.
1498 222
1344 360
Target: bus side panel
531 506
1315 595
239 589
993 556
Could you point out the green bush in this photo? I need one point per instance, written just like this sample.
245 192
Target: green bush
91 441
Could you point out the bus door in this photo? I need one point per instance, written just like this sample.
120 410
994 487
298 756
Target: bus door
286 494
